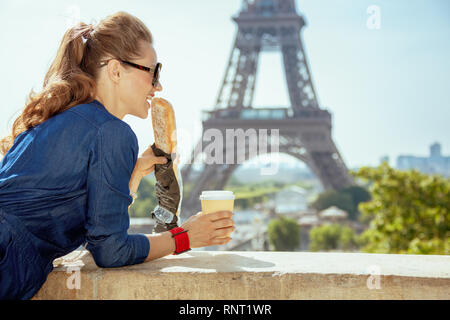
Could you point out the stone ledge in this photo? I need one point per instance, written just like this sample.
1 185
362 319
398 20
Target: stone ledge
245 275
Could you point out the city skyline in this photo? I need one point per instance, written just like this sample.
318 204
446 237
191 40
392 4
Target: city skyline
386 88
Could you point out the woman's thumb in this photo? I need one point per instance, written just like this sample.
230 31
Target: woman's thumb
162 160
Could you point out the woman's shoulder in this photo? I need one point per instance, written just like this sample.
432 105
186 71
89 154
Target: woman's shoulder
96 114
92 112
85 120
84 124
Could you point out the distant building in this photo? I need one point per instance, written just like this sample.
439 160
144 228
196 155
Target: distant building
308 220
434 164
333 214
291 200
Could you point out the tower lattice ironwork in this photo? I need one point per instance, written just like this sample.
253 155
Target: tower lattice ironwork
304 127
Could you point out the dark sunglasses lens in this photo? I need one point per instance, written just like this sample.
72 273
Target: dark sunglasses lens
156 74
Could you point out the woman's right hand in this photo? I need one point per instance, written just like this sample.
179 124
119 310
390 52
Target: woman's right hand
209 229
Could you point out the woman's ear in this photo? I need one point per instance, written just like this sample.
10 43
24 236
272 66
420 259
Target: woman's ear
113 68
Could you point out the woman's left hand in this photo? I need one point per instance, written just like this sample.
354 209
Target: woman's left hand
146 162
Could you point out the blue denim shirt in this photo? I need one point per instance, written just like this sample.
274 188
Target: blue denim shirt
63 183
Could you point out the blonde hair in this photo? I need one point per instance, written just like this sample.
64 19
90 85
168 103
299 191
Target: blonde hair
71 78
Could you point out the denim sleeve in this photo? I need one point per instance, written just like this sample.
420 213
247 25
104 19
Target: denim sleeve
112 158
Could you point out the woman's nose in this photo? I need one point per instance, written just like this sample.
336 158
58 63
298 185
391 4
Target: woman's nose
158 86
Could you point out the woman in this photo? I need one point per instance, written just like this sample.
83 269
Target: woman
71 162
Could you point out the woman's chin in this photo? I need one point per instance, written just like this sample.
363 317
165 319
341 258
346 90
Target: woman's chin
145 116
142 114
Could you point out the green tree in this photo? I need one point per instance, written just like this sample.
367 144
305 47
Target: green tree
409 212
284 234
330 198
332 237
358 194
348 239
146 200
346 199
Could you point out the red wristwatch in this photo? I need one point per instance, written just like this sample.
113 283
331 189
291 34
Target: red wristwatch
181 240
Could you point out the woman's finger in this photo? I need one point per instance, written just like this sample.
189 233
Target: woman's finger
223 223
223 232
161 160
220 215
220 241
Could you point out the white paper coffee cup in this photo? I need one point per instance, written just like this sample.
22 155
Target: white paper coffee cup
217 200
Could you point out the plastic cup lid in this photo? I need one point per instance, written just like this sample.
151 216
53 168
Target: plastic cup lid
217 195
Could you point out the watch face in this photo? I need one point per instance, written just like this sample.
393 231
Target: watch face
163 215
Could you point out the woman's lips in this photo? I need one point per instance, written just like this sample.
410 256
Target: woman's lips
149 98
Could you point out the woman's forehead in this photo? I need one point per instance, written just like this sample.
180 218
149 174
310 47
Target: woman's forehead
149 56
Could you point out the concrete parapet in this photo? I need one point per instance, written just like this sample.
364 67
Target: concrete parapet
255 275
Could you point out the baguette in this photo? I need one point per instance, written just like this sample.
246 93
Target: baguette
164 126
164 130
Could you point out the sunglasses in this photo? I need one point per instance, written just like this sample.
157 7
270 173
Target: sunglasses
155 70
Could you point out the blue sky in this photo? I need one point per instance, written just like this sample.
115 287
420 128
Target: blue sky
388 89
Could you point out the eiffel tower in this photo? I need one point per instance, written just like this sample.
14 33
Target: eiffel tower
304 128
